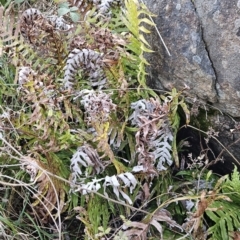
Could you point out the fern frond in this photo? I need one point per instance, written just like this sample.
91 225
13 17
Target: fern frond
121 185
136 24
44 34
232 187
226 219
98 212
50 191
139 230
9 30
103 7
154 137
232 183
91 64
85 157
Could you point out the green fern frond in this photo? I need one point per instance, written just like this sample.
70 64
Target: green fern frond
226 219
233 184
98 212
136 18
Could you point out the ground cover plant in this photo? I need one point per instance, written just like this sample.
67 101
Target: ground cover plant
88 151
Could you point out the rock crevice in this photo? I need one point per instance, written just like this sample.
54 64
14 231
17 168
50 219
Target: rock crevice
207 50
203 37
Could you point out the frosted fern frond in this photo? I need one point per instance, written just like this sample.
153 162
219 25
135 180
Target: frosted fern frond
154 137
31 15
118 184
97 105
94 185
103 7
44 34
59 23
91 64
115 137
85 161
25 75
145 107
31 23
161 147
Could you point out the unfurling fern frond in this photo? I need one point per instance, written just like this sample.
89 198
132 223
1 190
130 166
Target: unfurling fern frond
154 137
91 64
44 34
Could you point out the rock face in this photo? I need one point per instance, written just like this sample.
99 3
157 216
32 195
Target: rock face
221 33
203 37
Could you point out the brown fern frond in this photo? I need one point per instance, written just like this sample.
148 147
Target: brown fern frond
50 191
9 31
44 34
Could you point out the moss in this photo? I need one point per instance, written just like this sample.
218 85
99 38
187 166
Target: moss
202 120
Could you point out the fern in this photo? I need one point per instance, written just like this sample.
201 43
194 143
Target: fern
226 219
139 230
232 185
91 63
103 7
99 213
135 23
153 139
9 29
88 158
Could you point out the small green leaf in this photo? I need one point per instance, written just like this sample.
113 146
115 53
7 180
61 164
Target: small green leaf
143 29
146 20
145 49
208 175
74 16
141 37
50 113
63 11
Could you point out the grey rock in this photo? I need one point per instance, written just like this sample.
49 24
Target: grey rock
221 31
203 37
189 62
